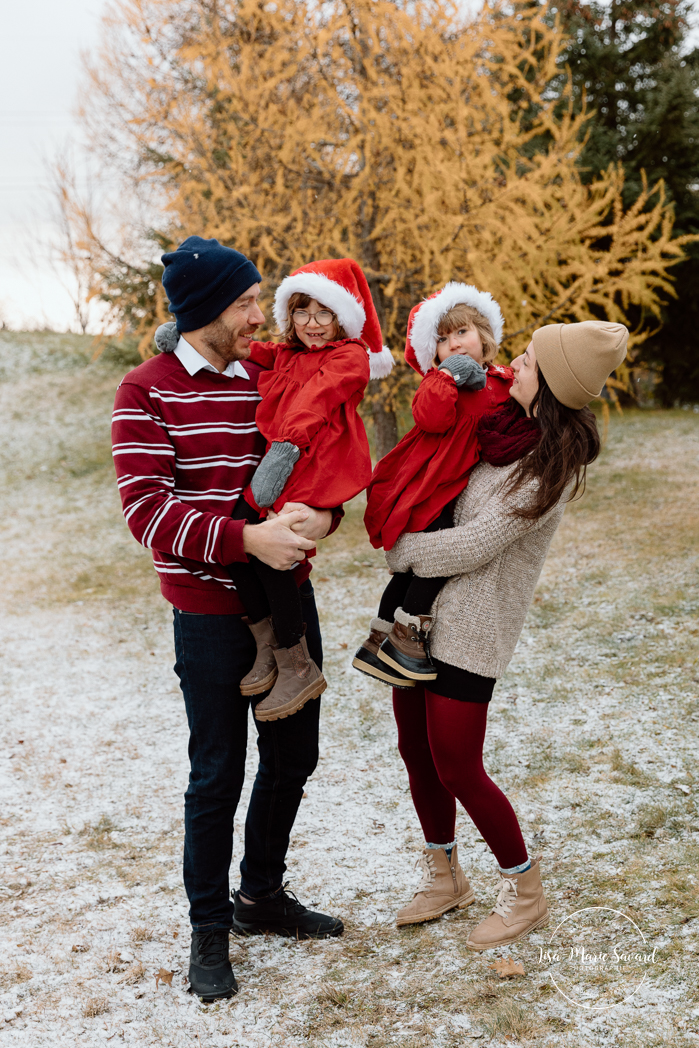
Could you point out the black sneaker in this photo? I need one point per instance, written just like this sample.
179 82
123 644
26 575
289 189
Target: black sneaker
283 914
210 972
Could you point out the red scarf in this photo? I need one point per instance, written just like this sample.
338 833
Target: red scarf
507 434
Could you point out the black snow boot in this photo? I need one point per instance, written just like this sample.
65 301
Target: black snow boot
210 972
367 660
406 649
283 914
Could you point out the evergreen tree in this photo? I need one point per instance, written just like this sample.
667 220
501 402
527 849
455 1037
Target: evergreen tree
628 61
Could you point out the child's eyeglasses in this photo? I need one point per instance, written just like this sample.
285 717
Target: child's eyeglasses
322 317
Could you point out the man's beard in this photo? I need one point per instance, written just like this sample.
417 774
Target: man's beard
221 339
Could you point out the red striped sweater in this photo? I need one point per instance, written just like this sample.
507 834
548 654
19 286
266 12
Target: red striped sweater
184 447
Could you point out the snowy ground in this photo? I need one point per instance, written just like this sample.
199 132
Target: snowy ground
592 733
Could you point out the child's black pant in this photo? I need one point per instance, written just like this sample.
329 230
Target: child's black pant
265 591
408 591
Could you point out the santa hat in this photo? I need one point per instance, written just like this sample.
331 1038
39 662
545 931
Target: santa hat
425 318
340 285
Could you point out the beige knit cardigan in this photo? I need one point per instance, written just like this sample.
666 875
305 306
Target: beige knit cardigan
496 559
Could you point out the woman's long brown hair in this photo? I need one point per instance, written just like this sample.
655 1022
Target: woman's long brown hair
569 442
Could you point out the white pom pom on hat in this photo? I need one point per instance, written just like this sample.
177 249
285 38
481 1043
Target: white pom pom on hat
340 285
425 318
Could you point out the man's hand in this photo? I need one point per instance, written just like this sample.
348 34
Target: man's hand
315 526
274 543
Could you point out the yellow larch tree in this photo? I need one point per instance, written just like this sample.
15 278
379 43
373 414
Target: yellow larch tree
428 146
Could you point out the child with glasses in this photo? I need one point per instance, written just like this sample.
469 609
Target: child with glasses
453 338
317 454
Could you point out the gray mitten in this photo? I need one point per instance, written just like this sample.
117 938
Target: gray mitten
465 371
273 472
166 337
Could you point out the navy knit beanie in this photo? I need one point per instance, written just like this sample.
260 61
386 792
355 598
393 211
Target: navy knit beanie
202 278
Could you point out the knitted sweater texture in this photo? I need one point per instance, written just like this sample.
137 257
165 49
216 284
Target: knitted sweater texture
496 559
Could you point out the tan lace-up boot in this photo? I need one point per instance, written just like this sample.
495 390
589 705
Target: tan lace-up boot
299 680
520 908
264 670
443 887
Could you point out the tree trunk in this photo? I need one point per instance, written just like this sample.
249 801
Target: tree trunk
384 417
385 422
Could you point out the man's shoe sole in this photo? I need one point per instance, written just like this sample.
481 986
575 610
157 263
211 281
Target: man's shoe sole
279 712
390 655
209 998
380 672
286 933
262 685
211 995
506 942
464 901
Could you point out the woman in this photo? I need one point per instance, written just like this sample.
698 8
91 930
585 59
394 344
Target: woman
533 460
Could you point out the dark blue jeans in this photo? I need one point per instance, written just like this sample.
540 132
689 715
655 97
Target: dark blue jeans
214 652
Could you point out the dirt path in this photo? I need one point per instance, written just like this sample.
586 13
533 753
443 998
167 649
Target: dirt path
592 733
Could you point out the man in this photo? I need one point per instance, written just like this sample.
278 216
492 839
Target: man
185 446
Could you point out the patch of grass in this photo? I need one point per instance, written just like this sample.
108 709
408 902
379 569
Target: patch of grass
334 995
511 1020
628 772
650 819
141 872
95 1006
99 836
135 974
143 933
90 460
554 1022
357 948
346 541
119 354
480 991
113 962
681 892
18 973
24 352
576 763
548 609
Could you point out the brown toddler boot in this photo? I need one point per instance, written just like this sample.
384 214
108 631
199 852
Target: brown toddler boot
367 659
264 669
405 648
520 908
443 887
299 680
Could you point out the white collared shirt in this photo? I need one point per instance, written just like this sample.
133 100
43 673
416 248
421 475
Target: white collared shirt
193 361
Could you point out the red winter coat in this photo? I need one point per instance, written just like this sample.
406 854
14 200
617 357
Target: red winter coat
430 466
310 398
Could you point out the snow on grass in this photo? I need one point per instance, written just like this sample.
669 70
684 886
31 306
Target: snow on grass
592 733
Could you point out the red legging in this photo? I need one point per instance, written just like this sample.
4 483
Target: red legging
441 743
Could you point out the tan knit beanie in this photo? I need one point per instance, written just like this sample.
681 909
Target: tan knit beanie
577 359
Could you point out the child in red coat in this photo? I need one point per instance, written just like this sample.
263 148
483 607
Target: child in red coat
317 453
452 340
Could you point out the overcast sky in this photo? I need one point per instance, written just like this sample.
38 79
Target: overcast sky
39 76
40 73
